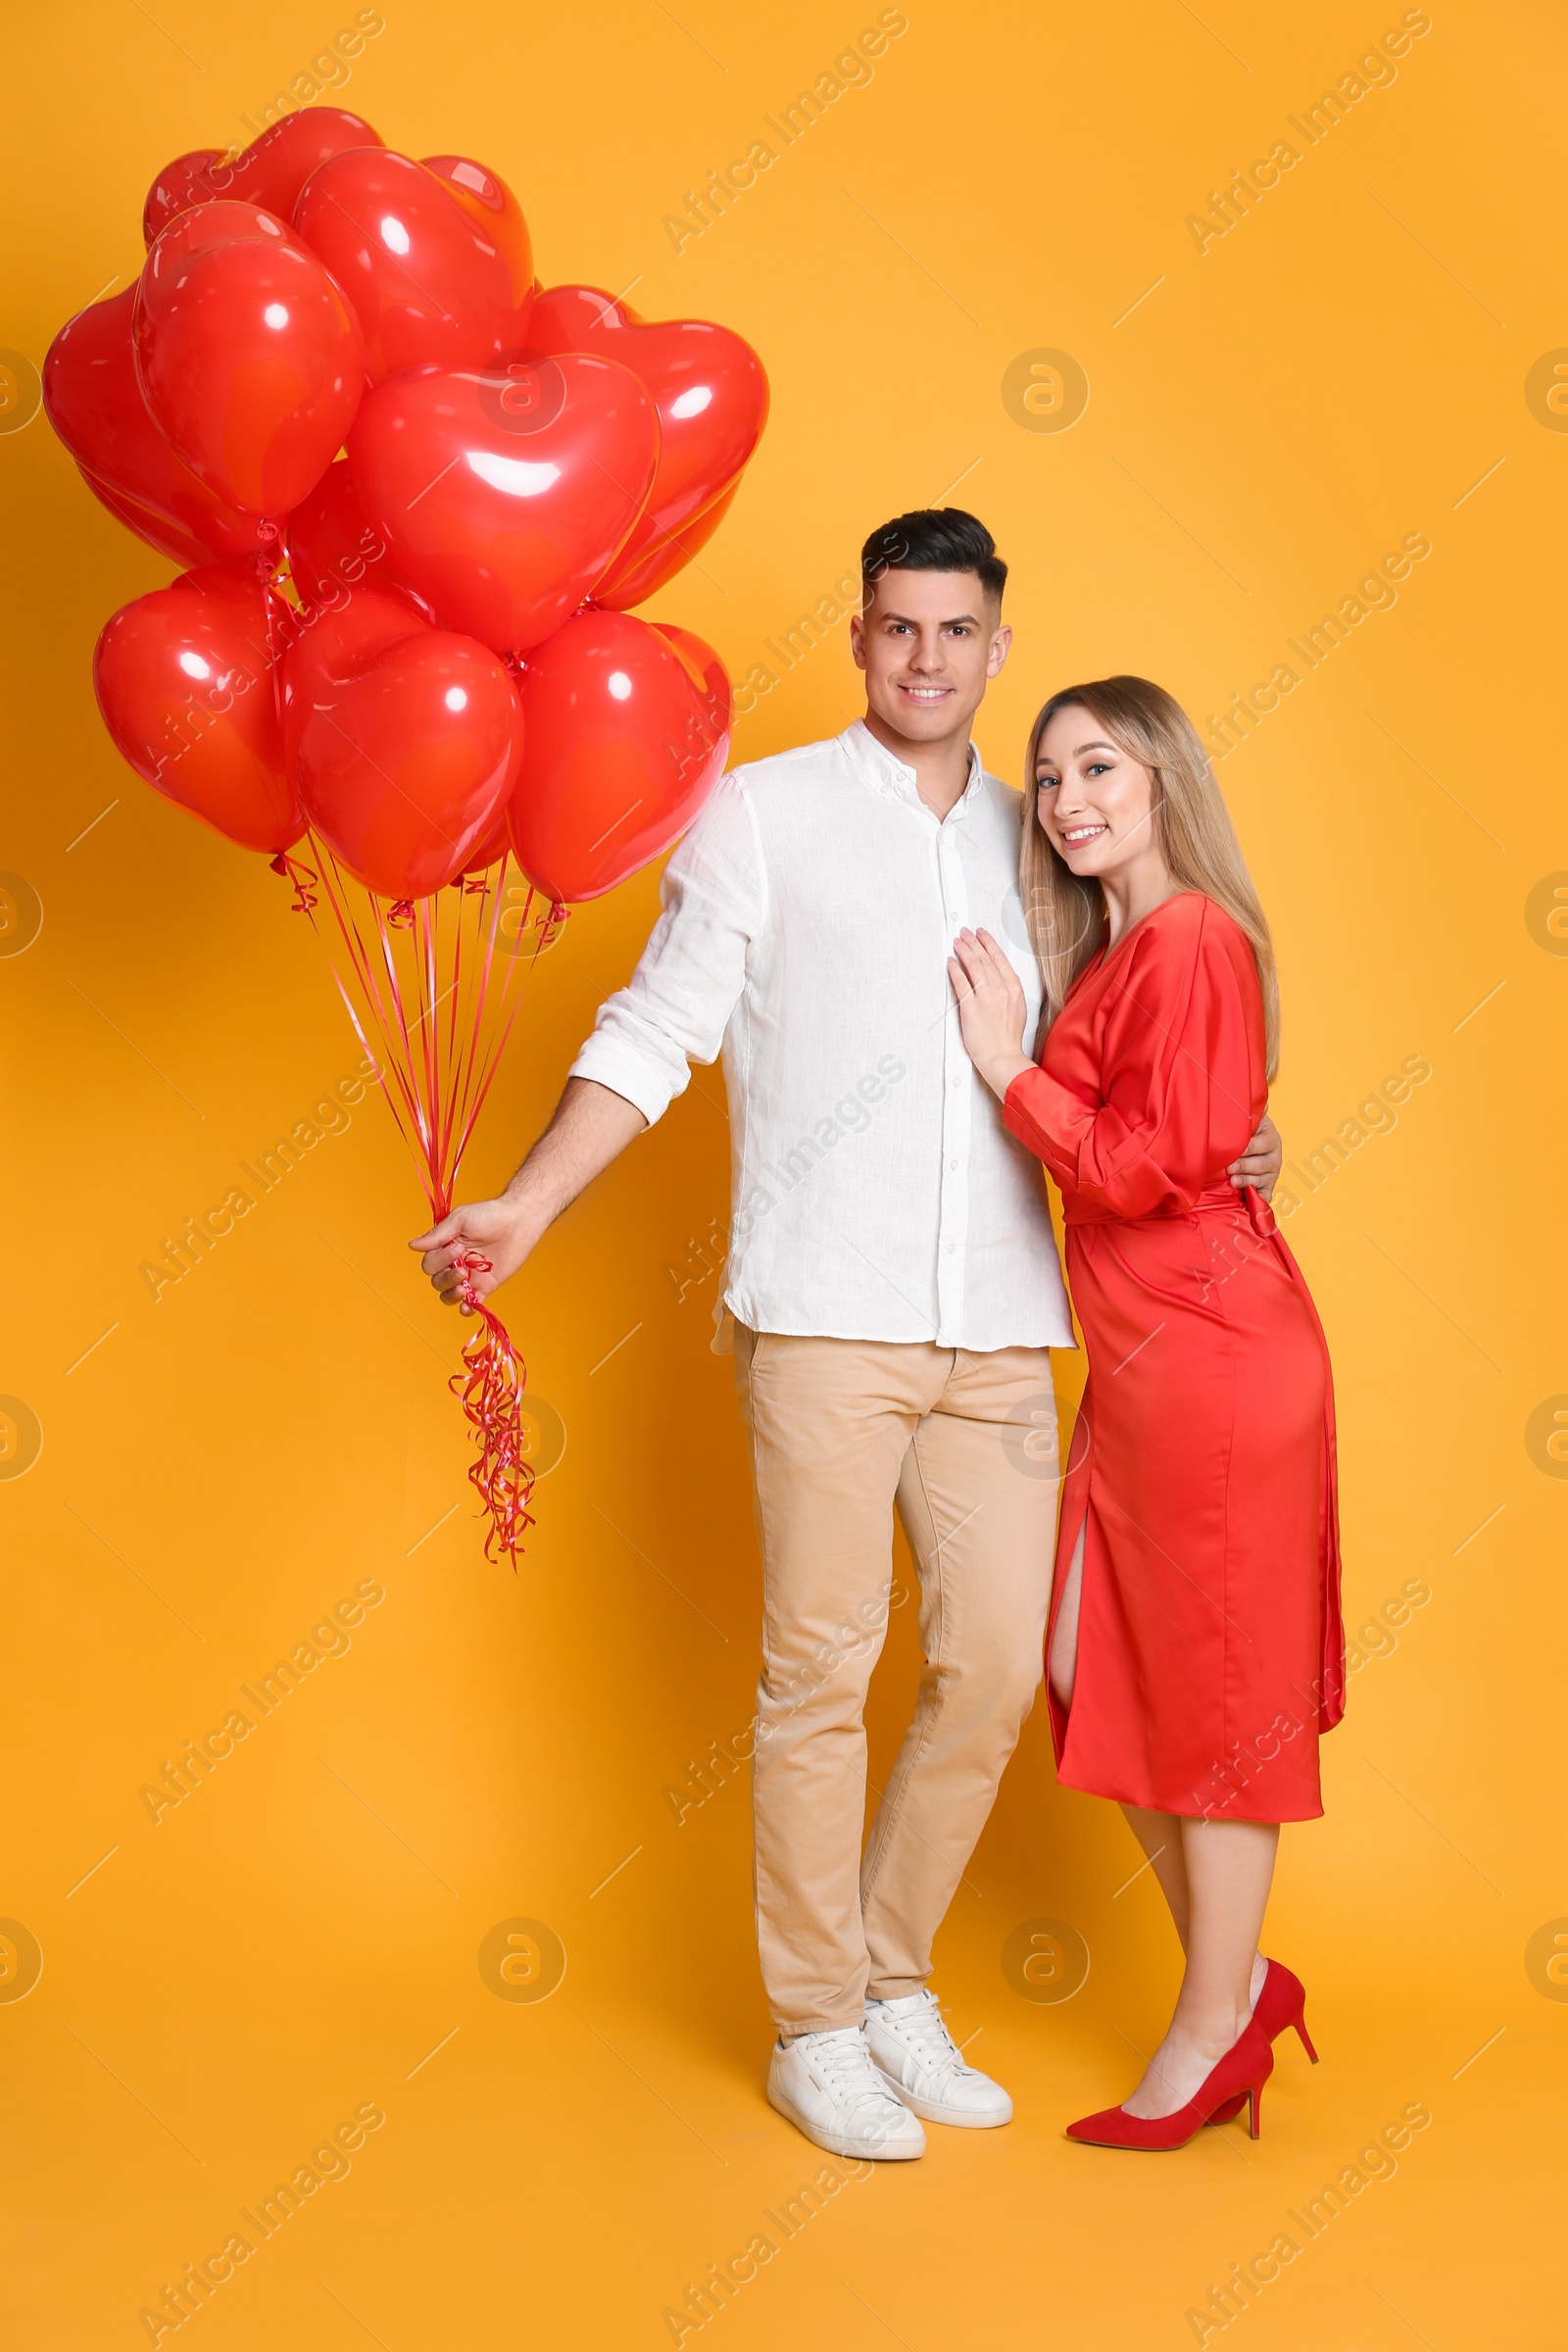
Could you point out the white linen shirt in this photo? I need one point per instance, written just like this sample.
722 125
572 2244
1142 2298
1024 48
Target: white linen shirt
807 921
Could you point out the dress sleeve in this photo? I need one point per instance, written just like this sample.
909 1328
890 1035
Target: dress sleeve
1181 1076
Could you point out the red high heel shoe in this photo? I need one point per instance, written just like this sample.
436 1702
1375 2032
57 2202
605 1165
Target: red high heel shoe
1238 2077
1281 2002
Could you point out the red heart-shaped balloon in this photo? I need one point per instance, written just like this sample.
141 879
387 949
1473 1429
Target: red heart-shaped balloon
333 551
249 358
428 282
496 844
270 172
403 742
677 550
166 537
185 180
185 681
626 733
488 201
95 404
711 396
505 497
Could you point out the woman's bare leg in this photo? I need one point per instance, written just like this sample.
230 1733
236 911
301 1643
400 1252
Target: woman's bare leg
1161 1836
1215 1876
1230 1868
1065 1640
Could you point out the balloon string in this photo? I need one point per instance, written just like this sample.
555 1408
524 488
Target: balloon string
469 1066
548 928
490 1388
432 982
393 1068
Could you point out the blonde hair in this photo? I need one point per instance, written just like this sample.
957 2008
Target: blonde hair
1066 913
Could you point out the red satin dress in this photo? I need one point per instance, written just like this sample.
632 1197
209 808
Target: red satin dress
1202 1468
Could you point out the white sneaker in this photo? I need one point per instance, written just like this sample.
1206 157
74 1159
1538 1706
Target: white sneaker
827 2087
917 2058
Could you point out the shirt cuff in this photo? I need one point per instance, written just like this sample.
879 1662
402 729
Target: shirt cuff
644 1086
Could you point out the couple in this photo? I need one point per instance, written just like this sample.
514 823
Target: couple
859 924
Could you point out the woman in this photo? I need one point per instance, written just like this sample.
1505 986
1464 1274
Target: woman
1195 1646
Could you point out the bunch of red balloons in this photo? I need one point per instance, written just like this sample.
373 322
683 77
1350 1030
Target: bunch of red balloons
418 495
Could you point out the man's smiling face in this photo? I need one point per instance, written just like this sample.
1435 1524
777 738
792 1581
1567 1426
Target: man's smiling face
928 643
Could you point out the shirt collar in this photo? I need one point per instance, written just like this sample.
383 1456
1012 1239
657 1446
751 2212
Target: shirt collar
888 775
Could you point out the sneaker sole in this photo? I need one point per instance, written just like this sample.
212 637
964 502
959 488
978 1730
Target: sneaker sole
931 2112
840 2143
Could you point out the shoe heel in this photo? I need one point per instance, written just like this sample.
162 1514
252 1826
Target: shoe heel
1303 2037
1256 2102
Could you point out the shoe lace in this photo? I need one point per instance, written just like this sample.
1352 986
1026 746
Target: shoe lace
935 2048
849 2066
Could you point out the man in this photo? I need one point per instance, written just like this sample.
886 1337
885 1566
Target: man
895 1293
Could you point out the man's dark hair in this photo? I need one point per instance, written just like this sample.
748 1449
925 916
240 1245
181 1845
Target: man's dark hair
932 539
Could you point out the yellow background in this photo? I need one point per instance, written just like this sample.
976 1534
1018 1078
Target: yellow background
224 1989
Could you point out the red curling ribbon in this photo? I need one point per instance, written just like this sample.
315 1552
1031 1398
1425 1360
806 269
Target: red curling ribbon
490 1388
303 879
433 993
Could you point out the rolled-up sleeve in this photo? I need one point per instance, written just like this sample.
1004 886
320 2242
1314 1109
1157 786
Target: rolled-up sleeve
676 1005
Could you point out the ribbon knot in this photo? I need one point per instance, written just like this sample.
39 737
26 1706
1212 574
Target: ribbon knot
303 879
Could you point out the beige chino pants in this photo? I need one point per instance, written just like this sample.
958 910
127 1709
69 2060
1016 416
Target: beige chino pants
965 1444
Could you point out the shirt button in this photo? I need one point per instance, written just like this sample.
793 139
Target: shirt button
951 1246
952 1163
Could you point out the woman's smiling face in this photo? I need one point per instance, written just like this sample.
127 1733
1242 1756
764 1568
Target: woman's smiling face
1094 803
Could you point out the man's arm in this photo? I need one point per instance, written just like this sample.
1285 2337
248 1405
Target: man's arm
674 1010
591 1127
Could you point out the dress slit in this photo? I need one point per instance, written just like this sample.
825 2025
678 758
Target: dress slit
1076 1503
